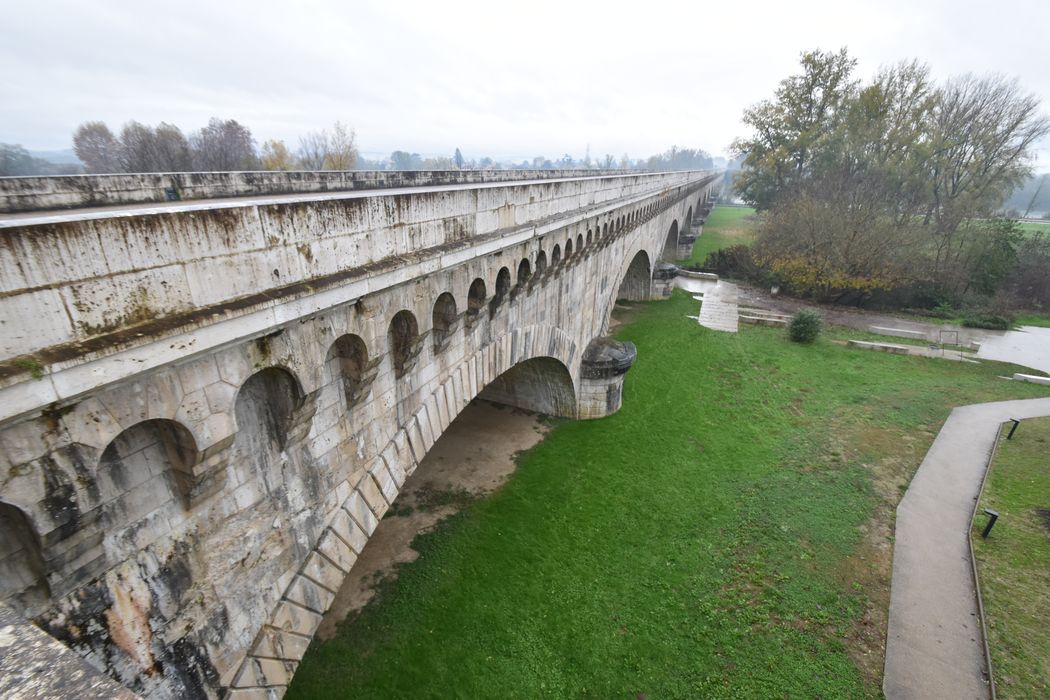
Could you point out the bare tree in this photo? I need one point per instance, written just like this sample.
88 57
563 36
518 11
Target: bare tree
342 153
171 149
97 148
137 148
313 150
329 150
223 146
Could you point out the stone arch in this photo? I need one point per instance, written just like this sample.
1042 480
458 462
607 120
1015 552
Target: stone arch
524 272
568 248
403 341
503 285
444 320
540 384
541 263
145 475
476 296
348 365
671 244
605 230
23 577
689 218
556 255
637 280
590 240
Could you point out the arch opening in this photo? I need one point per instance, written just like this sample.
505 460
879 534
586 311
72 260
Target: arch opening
579 242
541 262
542 384
444 320
671 244
403 336
556 255
637 280
568 249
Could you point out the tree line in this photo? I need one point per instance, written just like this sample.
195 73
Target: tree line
226 144
889 190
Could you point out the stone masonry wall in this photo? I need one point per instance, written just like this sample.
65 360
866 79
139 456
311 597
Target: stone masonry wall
187 521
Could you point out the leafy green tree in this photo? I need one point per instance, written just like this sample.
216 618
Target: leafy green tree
789 128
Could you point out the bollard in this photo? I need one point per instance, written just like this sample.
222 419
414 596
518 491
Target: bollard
992 517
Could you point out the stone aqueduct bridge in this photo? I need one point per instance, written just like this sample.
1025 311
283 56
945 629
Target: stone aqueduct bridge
206 406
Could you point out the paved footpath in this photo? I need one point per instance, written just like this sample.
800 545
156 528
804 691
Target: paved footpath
934 645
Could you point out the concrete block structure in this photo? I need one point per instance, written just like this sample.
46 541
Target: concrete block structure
206 405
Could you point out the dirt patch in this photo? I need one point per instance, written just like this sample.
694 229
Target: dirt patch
474 457
1044 515
891 456
623 312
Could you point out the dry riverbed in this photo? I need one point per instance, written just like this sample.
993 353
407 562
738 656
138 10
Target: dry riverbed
474 457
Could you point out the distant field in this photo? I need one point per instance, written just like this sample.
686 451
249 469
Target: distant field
1014 562
726 226
1029 227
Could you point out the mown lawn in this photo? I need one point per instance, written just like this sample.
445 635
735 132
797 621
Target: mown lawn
726 226
1014 562
727 534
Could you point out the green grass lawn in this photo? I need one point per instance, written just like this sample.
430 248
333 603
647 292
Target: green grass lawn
726 226
727 534
1014 562
1029 227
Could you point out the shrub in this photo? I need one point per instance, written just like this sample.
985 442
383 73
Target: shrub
992 322
805 326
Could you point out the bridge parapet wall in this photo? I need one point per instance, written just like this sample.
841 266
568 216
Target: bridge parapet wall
26 194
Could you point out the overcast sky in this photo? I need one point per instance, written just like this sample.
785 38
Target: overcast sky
507 79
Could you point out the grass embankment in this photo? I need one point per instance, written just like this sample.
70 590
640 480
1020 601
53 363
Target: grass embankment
727 534
1014 562
725 227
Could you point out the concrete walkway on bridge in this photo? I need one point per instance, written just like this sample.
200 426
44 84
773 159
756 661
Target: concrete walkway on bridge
934 644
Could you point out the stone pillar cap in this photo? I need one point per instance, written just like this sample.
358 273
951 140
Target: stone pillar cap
608 357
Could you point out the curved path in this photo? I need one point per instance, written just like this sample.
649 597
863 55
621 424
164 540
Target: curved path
934 646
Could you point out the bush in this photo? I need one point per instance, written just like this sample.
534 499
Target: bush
805 326
992 322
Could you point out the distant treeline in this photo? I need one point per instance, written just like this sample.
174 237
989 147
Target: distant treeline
226 144
1032 199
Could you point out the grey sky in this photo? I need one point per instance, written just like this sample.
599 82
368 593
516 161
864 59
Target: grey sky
512 80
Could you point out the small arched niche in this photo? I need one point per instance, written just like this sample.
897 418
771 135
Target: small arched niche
23 578
444 320
524 272
541 262
503 285
556 255
145 474
348 364
403 336
476 296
